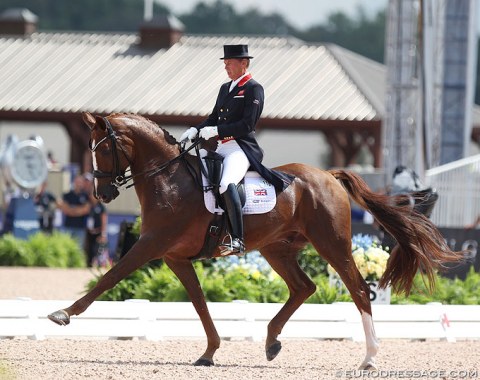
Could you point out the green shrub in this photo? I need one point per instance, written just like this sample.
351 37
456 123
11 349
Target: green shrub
311 262
447 291
15 252
250 279
58 250
125 289
161 284
325 293
137 225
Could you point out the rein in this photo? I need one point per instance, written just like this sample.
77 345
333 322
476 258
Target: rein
117 176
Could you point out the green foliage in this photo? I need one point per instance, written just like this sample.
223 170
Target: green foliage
221 17
360 34
251 279
161 284
219 285
125 289
15 252
58 250
447 291
107 15
325 293
137 226
238 283
311 262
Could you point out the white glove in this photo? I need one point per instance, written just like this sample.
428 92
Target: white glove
189 134
208 132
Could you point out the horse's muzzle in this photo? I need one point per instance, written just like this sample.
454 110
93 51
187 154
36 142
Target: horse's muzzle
107 193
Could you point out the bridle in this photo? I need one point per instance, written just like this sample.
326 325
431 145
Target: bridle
117 176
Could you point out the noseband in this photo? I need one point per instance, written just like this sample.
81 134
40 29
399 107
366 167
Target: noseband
117 176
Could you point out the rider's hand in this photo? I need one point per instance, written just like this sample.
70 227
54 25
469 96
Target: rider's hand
208 132
189 134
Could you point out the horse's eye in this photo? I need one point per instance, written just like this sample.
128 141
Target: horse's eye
105 150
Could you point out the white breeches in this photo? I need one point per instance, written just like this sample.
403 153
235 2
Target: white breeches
235 164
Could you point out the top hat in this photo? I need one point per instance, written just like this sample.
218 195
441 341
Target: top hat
235 51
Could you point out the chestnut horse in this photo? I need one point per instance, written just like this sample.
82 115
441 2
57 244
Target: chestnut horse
314 208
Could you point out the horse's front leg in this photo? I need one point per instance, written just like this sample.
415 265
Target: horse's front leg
185 272
138 255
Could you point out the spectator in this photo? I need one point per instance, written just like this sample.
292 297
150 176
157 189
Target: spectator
96 231
45 204
75 206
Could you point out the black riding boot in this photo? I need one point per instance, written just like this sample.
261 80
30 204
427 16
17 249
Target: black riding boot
233 206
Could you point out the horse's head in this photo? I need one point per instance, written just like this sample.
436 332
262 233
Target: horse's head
110 155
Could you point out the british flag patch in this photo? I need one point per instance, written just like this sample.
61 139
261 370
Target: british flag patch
260 192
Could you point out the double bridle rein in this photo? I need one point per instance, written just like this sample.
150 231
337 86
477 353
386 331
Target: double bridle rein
117 176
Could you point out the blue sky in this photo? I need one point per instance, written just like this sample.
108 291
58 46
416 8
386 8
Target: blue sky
300 13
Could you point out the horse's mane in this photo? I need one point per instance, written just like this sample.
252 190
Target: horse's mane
168 137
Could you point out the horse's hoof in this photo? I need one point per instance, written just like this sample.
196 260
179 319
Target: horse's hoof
273 350
204 362
368 367
60 317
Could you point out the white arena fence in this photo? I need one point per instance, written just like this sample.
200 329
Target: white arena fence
458 187
146 320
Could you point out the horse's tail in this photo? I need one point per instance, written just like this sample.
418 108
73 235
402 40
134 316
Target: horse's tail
420 244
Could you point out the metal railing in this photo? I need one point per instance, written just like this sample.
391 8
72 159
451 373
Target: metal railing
458 186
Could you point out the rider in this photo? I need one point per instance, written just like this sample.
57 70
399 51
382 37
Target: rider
233 119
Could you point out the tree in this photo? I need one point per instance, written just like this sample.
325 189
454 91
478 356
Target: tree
221 18
99 15
362 35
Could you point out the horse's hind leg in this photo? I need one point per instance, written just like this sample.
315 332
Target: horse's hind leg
360 293
282 257
336 248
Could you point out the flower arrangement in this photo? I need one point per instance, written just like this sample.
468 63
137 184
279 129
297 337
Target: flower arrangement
369 256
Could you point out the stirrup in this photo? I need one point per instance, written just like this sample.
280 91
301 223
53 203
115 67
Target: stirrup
230 245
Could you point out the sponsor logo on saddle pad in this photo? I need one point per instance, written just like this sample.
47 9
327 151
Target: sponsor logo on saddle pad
260 196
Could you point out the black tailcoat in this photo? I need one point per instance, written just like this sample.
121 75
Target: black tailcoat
236 114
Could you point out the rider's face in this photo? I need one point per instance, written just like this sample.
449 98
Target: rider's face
235 67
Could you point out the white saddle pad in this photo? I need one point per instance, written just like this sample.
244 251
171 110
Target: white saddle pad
260 194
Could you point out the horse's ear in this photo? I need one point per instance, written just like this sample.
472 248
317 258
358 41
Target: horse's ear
100 122
89 119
